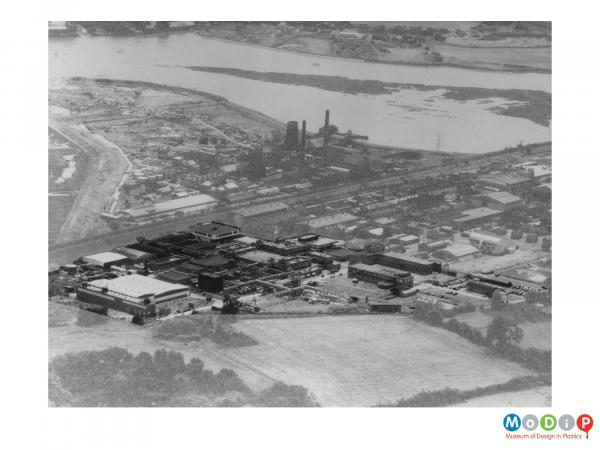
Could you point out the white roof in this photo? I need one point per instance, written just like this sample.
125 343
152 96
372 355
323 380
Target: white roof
100 259
485 238
458 250
137 286
171 205
333 219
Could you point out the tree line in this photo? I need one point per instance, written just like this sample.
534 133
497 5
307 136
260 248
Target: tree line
116 378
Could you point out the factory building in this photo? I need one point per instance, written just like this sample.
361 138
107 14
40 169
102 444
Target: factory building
134 256
133 294
409 263
375 273
390 307
472 218
174 276
106 259
509 183
331 220
480 287
190 204
215 232
210 282
500 200
493 245
261 211
159 265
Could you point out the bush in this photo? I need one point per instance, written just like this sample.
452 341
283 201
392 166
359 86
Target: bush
116 378
137 320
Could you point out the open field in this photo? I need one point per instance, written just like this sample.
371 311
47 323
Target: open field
536 397
366 360
65 336
537 335
344 360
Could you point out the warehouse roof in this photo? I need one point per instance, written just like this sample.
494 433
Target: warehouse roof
502 180
485 238
477 213
263 209
408 258
503 197
331 219
259 256
101 259
383 270
193 201
214 229
459 250
137 286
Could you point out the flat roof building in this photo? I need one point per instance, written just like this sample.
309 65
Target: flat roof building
215 231
331 220
375 273
409 263
472 218
192 203
106 259
133 294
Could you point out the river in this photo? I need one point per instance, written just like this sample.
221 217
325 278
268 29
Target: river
408 118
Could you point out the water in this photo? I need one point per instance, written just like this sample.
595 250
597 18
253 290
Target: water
67 171
406 118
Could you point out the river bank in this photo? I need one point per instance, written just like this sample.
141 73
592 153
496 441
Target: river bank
527 104
508 58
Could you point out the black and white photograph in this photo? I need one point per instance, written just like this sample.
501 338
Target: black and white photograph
314 224
300 213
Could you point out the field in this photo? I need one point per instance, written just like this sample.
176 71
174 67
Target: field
366 360
357 360
537 335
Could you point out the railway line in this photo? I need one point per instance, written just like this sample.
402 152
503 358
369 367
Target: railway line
66 252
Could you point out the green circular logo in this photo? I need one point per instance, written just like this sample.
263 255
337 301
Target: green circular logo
548 422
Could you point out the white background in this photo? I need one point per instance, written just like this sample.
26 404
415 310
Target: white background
28 422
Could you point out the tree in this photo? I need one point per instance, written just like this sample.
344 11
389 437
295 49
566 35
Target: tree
496 301
503 334
137 320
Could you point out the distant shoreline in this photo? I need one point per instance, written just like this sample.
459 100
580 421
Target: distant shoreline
508 69
513 69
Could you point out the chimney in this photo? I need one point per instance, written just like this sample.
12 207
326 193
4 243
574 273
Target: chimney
303 137
326 135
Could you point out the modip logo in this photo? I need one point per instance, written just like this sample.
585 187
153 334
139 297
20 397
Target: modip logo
547 427
512 422
585 423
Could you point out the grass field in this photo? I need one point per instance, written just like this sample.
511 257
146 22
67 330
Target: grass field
358 360
537 335
366 360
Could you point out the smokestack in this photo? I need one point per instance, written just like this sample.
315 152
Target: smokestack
326 135
302 150
303 137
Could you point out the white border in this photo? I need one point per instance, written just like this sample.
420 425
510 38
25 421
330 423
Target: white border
30 424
